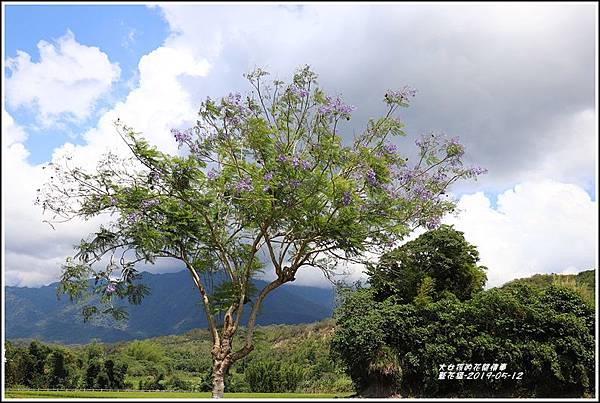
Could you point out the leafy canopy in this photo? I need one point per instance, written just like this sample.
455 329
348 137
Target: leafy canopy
271 175
437 262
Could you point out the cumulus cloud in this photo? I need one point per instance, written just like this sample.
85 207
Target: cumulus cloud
516 83
512 82
66 83
34 251
158 103
11 132
536 227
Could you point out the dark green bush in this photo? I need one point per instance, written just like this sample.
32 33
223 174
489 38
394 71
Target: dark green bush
548 334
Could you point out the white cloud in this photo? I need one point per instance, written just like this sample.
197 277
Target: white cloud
537 227
66 83
508 76
34 251
11 132
159 103
515 83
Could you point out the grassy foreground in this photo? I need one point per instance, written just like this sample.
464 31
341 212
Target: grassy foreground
29 394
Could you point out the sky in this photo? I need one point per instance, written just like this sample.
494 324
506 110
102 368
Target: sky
516 82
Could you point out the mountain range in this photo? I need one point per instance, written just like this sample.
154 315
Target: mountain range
172 307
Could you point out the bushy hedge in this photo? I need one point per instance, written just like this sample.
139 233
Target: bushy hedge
548 334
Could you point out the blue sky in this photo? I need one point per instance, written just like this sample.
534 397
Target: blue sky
124 32
516 83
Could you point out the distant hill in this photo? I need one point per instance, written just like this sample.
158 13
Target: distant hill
583 282
173 307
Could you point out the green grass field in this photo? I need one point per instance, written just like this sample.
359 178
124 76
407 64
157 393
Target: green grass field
29 394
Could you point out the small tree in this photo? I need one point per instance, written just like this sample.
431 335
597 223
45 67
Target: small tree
57 369
262 176
436 262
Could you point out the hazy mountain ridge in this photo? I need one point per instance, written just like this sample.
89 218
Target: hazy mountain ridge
173 307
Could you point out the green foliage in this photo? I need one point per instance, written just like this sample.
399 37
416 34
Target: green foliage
20 366
43 366
145 350
60 395
273 376
548 334
437 262
57 372
300 352
176 383
584 283
154 383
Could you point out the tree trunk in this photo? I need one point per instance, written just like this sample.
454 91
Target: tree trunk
218 380
221 362
223 356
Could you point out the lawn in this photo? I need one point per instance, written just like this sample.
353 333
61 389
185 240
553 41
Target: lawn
97 394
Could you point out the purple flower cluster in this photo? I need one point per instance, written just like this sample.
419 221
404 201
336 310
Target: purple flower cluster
234 99
433 223
298 91
113 201
268 176
134 218
233 108
346 198
419 191
294 183
406 175
181 136
244 185
336 107
146 204
296 161
440 176
110 288
389 149
305 165
195 148
371 177
474 171
400 96
212 174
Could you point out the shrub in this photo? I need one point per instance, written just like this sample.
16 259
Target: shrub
548 334
267 376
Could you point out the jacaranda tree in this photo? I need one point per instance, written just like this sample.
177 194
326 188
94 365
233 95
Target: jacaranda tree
268 180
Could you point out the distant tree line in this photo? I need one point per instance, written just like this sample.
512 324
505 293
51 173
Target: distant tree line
302 363
54 367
